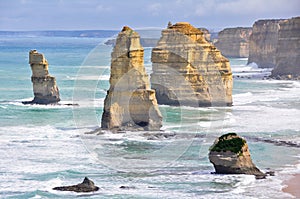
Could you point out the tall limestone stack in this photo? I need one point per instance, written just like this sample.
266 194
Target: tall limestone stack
130 104
263 43
288 49
44 86
234 42
188 70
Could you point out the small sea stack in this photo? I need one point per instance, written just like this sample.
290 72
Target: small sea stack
130 103
188 70
86 186
44 85
230 155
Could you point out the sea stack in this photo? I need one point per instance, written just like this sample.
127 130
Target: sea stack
188 70
288 50
234 42
44 85
263 43
230 155
130 104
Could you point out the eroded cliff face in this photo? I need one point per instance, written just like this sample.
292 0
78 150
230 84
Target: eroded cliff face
44 86
263 43
130 104
230 155
234 42
288 50
188 70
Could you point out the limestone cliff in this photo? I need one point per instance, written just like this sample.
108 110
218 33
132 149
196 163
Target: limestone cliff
288 49
188 70
263 43
230 155
44 86
234 42
130 104
206 33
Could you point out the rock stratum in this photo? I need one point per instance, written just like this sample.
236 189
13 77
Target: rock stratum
234 42
230 155
44 85
288 50
130 104
188 70
263 43
86 186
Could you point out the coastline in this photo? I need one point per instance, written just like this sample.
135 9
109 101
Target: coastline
292 186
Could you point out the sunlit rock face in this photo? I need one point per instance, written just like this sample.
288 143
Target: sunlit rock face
44 85
188 70
130 104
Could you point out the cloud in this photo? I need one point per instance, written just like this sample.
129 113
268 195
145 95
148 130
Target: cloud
154 8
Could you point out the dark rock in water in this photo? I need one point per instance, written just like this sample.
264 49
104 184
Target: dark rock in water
230 155
86 186
127 187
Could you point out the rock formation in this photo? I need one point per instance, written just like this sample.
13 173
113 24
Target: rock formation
230 155
145 42
288 51
263 43
86 186
44 86
206 33
130 104
234 42
188 70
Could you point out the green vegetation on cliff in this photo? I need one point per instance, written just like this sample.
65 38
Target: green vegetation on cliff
226 143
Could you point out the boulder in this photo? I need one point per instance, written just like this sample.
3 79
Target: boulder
44 85
230 155
288 51
234 42
188 70
86 186
130 104
263 43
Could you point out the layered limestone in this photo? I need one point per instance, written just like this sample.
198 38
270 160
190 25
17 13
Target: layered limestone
263 43
288 51
188 70
206 33
230 155
234 42
44 85
130 104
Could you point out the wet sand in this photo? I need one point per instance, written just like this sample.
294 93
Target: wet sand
293 186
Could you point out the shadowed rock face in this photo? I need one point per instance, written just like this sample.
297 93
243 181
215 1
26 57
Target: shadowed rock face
234 42
230 155
86 186
130 104
263 43
288 51
188 70
44 86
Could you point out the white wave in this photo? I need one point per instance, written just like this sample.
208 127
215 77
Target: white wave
90 77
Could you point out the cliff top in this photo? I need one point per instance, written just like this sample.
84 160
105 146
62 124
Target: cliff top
186 28
229 142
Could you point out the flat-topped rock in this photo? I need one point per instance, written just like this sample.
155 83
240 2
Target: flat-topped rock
188 70
44 85
230 155
130 104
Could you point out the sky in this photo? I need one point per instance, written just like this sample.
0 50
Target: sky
139 14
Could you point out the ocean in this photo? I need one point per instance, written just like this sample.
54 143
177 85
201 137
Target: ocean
42 147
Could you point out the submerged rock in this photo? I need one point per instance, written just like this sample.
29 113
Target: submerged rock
288 50
130 104
230 155
188 70
234 42
86 186
44 86
263 43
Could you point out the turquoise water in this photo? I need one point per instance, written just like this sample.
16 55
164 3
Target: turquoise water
45 146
